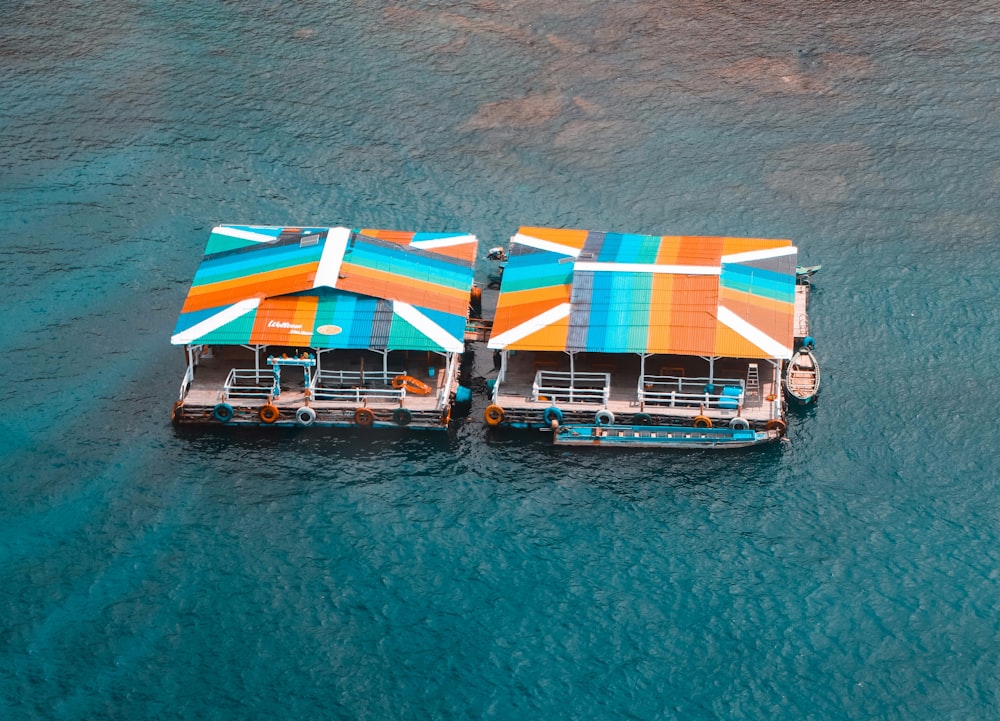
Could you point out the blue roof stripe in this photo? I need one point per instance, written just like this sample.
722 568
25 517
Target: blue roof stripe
400 261
267 258
767 284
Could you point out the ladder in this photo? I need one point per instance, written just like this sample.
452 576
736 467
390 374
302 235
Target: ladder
753 382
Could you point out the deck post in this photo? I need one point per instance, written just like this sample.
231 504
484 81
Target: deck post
572 377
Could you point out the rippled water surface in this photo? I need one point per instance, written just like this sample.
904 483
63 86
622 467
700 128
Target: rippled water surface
850 572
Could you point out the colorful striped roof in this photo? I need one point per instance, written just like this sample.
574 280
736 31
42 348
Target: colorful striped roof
578 290
330 288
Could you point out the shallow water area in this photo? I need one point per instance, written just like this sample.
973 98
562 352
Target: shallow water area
847 572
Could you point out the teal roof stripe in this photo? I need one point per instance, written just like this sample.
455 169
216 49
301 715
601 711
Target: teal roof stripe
268 258
764 283
219 242
543 270
619 312
417 237
403 335
337 311
629 248
408 262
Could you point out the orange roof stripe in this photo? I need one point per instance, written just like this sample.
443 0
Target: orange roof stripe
285 321
571 238
260 285
370 281
731 246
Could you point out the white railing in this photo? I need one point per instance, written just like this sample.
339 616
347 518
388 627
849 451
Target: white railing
679 391
249 383
387 396
565 387
353 378
350 386
186 383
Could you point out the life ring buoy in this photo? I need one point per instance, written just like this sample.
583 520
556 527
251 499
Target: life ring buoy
223 412
642 419
739 424
446 415
604 417
402 416
364 417
493 415
177 412
702 422
269 413
305 416
411 385
776 424
550 414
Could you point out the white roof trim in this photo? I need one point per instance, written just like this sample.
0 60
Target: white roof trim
428 327
648 268
215 322
529 326
548 245
443 242
328 271
244 234
752 255
756 336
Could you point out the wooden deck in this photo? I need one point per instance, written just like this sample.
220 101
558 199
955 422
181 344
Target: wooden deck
802 310
353 380
524 406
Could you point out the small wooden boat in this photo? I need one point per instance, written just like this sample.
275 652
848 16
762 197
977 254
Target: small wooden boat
802 376
586 434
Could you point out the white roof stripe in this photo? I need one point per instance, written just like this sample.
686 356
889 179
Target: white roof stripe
752 255
244 234
529 326
760 339
648 268
548 245
443 242
328 271
215 322
428 327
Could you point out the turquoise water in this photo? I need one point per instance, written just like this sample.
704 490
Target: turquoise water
850 572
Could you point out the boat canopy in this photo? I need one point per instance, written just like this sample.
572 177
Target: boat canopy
578 290
330 288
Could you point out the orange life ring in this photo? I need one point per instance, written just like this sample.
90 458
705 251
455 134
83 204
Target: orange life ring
446 415
776 424
176 412
364 417
269 413
702 422
493 415
411 385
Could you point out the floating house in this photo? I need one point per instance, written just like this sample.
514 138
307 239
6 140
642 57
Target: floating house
325 327
619 339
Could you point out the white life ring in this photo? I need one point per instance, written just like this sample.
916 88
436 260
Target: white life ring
305 416
604 417
741 424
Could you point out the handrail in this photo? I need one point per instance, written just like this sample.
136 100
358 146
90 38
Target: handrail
684 391
388 396
353 378
237 383
582 387
186 383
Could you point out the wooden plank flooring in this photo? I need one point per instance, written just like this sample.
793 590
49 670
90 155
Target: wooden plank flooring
516 390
